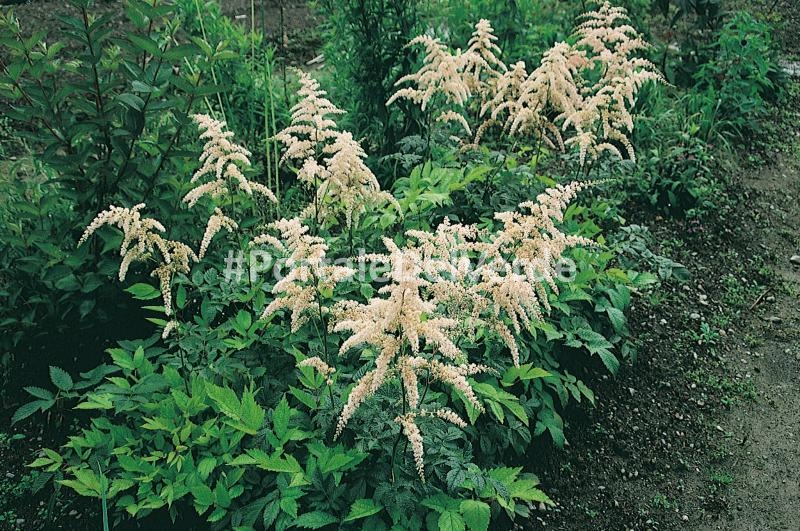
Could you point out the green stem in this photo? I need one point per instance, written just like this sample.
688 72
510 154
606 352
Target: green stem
213 68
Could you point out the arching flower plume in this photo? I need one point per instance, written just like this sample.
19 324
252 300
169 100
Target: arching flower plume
224 161
329 161
141 242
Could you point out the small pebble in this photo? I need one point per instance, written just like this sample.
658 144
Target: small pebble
694 316
795 259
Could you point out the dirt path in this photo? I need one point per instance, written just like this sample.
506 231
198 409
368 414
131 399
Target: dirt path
703 431
292 25
766 434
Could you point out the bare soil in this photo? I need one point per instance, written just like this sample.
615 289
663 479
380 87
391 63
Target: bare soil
290 25
767 433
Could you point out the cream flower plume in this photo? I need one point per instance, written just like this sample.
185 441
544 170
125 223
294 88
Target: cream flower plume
224 160
308 273
141 241
216 223
330 161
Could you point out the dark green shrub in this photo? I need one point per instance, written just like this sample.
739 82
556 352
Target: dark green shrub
742 77
366 48
104 111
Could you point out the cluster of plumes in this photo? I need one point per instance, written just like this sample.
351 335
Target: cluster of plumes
455 77
308 274
224 161
411 339
609 42
435 297
142 241
532 240
563 102
329 160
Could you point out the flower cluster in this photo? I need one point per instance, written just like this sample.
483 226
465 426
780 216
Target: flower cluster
398 326
141 241
308 276
453 76
610 42
329 160
216 223
224 161
562 97
433 302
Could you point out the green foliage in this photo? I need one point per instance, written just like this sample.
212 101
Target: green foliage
525 28
218 422
730 74
105 114
250 99
216 419
742 77
675 174
366 46
634 245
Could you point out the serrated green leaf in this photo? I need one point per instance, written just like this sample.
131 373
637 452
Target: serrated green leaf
38 392
26 410
304 396
206 466
280 418
315 520
451 521
523 372
476 514
362 508
226 400
609 360
61 378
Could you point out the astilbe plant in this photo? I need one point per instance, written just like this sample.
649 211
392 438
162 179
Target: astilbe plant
141 242
221 158
563 96
430 303
396 325
431 299
449 80
452 297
